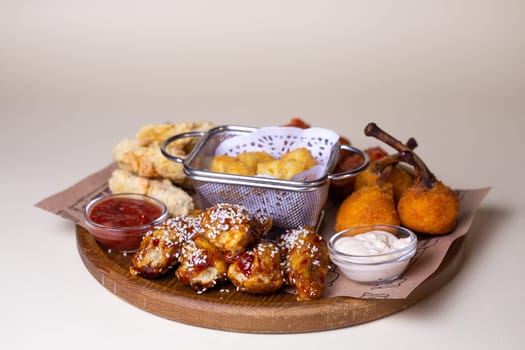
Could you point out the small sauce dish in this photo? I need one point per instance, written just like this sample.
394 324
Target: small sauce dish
118 221
374 253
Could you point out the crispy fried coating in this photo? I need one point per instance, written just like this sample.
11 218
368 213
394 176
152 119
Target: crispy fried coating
252 159
258 270
431 211
368 205
242 164
401 180
281 169
302 155
176 199
159 249
156 134
142 156
399 177
262 163
230 165
122 181
149 161
230 228
428 206
202 264
289 165
306 262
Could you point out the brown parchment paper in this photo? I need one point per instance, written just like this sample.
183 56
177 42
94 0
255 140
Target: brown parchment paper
431 250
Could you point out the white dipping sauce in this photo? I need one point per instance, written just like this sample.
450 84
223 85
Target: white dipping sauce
372 256
371 243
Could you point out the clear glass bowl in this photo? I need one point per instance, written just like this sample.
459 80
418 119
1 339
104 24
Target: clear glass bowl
118 221
373 267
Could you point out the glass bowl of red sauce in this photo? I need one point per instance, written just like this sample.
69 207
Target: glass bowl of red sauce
118 221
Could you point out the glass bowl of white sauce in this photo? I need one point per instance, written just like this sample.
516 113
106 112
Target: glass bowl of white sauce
374 253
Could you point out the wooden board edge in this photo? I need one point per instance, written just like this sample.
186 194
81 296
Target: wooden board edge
283 317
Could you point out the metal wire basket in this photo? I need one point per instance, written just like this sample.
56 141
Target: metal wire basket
289 203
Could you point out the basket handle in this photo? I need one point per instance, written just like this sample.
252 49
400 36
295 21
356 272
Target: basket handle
173 138
349 173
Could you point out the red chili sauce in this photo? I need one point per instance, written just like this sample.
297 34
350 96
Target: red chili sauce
124 212
123 221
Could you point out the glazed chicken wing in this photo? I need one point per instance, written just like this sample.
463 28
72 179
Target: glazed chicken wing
202 264
159 249
306 262
258 270
231 228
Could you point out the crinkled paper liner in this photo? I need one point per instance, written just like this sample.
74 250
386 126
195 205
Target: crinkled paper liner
430 253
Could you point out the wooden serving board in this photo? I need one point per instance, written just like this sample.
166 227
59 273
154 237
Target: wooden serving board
230 310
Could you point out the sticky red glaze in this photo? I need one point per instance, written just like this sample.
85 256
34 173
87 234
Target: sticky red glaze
245 263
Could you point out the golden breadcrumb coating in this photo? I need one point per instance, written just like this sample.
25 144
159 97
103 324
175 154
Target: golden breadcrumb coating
432 211
368 205
400 178
149 161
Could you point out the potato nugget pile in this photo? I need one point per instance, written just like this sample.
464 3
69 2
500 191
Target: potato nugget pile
142 168
227 243
262 163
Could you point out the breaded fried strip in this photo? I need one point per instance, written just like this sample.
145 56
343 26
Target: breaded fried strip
158 133
178 201
142 156
149 161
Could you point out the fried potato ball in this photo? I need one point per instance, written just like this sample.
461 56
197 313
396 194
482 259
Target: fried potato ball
301 155
281 169
229 165
289 165
262 163
252 159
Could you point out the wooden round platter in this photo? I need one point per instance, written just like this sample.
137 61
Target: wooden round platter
227 309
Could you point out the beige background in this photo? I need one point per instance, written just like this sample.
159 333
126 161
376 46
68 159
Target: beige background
76 77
